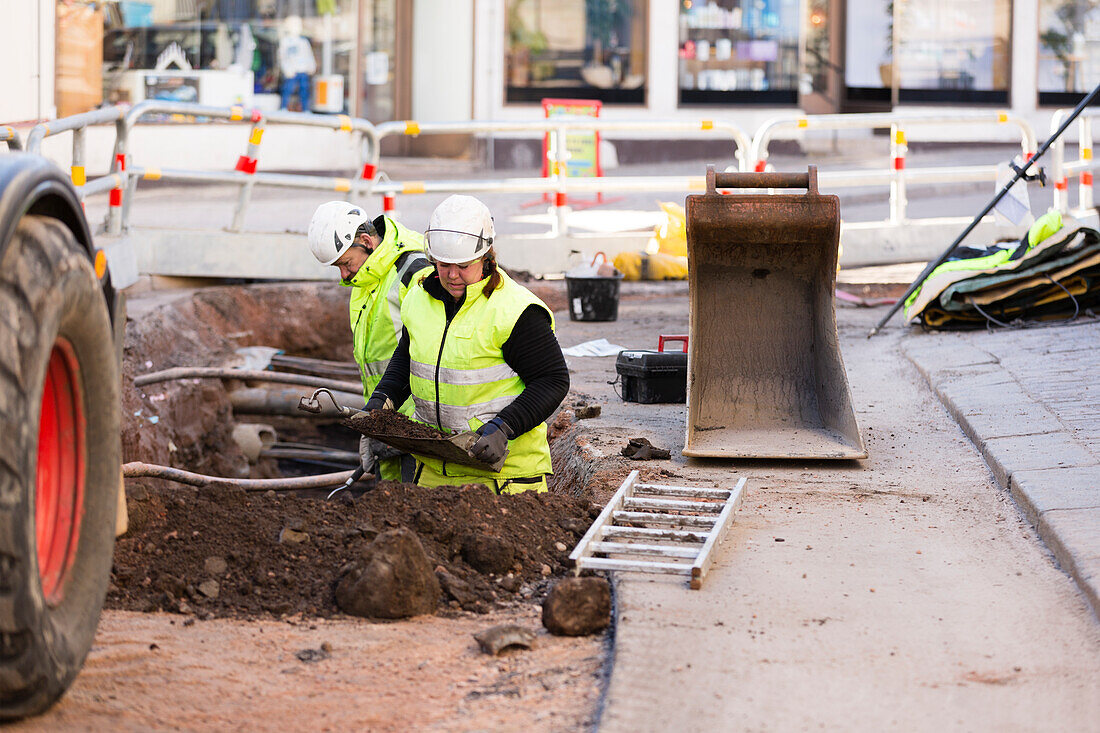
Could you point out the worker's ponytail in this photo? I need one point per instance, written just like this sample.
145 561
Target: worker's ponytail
489 269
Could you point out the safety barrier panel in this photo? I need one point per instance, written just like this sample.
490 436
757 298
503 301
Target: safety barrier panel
864 241
370 178
123 176
895 173
558 182
1062 170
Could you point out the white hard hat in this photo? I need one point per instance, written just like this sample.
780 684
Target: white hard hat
459 230
333 229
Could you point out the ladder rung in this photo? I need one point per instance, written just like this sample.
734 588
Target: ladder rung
607 563
663 490
631 502
655 533
682 520
645 549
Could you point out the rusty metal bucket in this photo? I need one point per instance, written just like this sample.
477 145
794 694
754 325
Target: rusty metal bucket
765 376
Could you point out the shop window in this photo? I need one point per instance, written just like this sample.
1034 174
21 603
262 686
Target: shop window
268 54
739 51
948 50
1069 50
587 49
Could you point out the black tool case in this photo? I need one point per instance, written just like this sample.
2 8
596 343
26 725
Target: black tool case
653 376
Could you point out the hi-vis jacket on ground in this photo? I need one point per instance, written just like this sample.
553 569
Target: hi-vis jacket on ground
377 292
474 381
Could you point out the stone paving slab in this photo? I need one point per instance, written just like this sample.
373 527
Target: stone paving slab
1030 402
1073 535
1038 492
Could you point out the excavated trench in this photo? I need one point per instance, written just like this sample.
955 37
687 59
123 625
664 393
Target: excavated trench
221 551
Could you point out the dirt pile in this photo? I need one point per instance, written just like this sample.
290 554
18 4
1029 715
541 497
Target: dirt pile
389 422
219 552
187 424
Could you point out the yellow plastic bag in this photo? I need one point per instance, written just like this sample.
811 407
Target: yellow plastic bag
672 237
658 266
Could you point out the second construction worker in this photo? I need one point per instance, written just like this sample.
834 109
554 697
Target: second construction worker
478 353
379 260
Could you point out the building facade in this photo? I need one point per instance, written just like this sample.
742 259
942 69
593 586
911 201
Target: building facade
436 60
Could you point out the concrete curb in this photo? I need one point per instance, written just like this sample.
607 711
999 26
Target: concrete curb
1053 478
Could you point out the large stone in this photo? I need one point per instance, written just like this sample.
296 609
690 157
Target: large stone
488 554
393 579
577 606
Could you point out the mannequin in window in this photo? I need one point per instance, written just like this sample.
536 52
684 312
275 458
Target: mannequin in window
296 63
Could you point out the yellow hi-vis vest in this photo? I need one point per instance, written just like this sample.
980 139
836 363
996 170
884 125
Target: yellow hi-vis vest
376 295
458 375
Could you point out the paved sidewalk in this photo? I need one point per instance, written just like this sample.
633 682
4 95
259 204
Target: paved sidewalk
1030 402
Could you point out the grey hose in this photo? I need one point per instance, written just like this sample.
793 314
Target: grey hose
137 469
258 375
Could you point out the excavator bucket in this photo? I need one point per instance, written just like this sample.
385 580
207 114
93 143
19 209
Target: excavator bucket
765 377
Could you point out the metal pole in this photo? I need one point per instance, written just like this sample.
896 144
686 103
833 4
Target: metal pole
895 66
1020 173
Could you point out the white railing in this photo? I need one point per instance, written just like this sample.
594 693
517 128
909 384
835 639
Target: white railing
369 177
1062 170
11 137
894 173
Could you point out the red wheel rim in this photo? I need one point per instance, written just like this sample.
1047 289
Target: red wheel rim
59 490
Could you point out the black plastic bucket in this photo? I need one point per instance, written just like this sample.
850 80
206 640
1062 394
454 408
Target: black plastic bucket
593 298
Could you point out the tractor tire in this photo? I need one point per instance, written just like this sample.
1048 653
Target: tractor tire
59 462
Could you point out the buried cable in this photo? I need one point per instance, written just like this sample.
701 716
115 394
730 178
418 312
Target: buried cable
137 469
257 375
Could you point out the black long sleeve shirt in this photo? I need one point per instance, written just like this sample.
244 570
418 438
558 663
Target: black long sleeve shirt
532 351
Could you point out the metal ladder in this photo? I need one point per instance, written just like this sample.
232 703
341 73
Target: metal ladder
640 522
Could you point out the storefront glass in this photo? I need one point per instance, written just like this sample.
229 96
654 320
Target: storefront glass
586 49
268 54
744 52
1069 50
378 31
948 50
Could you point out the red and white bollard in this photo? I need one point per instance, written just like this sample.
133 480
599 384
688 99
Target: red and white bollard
114 202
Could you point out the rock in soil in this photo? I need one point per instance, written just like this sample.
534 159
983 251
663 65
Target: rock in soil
577 607
488 554
456 588
264 578
496 639
394 579
640 449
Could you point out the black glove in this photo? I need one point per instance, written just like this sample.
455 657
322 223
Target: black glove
493 443
379 402
367 459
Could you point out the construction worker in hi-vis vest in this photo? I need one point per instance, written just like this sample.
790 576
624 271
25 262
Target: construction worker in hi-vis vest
478 353
379 260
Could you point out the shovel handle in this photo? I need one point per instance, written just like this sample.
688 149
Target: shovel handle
807 180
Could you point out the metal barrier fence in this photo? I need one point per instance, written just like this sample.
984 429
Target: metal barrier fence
368 177
1062 171
11 137
895 173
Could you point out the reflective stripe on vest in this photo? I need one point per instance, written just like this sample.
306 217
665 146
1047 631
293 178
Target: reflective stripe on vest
463 376
474 382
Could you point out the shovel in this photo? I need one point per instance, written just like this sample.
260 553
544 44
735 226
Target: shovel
450 448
